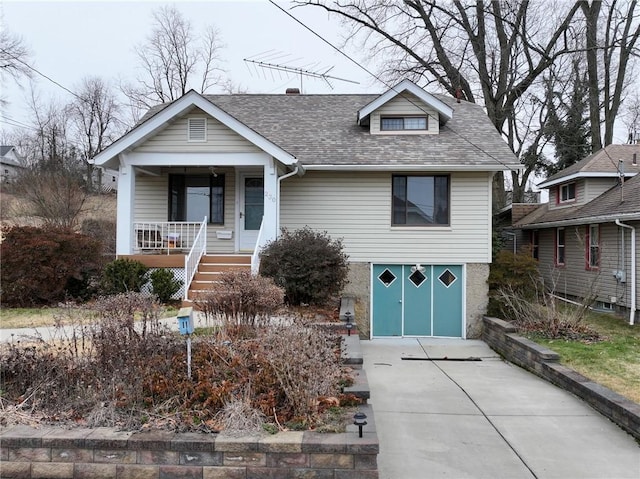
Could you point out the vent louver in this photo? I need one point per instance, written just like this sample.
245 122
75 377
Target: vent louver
197 129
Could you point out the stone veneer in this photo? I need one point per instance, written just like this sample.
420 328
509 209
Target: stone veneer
502 337
79 453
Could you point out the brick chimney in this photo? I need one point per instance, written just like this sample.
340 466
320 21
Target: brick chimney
292 91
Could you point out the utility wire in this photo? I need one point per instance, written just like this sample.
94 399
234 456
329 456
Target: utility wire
391 87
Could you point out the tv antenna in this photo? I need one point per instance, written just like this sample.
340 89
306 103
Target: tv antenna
289 71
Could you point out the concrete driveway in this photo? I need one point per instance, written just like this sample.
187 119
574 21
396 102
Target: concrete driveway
440 417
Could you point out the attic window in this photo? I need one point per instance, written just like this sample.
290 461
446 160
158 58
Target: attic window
400 123
567 192
197 129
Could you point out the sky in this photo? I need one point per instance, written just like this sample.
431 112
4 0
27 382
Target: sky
75 39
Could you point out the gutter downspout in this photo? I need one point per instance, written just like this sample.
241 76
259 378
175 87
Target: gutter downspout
280 178
632 314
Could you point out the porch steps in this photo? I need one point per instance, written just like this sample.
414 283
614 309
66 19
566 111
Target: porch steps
209 270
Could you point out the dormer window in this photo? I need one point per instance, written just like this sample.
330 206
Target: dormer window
197 129
402 123
567 192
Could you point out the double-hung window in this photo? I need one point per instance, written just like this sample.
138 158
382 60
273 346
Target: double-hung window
535 244
593 247
567 192
420 200
192 197
560 247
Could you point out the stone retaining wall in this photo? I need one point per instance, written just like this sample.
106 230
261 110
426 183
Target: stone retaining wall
80 453
502 337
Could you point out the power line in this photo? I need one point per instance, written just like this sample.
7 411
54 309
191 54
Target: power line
391 87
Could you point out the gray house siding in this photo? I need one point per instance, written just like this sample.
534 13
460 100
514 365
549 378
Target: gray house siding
574 278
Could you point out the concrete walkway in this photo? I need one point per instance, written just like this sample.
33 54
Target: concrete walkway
483 419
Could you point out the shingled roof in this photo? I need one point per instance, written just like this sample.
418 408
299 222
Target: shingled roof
322 130
616 203
600 163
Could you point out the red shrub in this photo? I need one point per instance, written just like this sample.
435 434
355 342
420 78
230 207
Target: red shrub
43 266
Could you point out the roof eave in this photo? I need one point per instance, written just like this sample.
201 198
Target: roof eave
610 218
582 174
411 167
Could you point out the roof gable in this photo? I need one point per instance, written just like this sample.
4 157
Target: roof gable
156 122
445 112
601 164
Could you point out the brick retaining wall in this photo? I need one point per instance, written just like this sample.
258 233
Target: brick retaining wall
81 453
502 337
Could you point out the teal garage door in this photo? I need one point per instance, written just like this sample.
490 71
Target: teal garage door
411 300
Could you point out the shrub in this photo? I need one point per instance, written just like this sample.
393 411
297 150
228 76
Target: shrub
164 284
241 298
519 272
44 266
309 265
124 275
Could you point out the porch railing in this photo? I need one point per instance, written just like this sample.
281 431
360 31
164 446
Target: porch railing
192 259
260 243
165 237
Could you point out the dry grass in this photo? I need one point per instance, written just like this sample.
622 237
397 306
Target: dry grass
18 318
14 211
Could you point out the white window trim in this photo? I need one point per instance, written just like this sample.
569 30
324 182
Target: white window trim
558 246
562 187
196 140
594 233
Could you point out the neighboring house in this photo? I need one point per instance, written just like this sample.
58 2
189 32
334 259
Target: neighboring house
404 178
585 237
514 239
10 165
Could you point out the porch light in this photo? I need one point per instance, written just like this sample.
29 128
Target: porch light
349 326
360 420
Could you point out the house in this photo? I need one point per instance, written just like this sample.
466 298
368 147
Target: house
404 178
585 237
10 165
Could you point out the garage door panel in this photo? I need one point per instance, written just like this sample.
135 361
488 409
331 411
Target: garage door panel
417 301
387 300
447 301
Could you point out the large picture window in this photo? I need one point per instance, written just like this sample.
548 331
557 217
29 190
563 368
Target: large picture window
420 200
192 197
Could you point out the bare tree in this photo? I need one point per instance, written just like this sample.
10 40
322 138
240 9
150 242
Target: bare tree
631 117
174 59
492 53
14 57
94 117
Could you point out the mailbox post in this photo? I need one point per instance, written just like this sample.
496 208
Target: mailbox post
185 325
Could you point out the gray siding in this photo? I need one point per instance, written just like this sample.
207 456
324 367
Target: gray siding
580 196
594 187
173 138
357 208
574 278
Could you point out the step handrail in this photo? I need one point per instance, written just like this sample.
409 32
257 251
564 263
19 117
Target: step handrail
255 257
191 261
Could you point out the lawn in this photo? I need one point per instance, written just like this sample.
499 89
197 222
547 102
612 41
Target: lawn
613 362
13 318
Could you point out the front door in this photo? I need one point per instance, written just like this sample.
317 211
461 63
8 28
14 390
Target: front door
251 210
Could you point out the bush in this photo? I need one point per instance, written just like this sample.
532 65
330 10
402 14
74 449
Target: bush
124 275
518 272
241 298
309 265
164 285
44 266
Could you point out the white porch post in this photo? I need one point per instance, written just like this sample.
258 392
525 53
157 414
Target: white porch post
269 220
125 205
